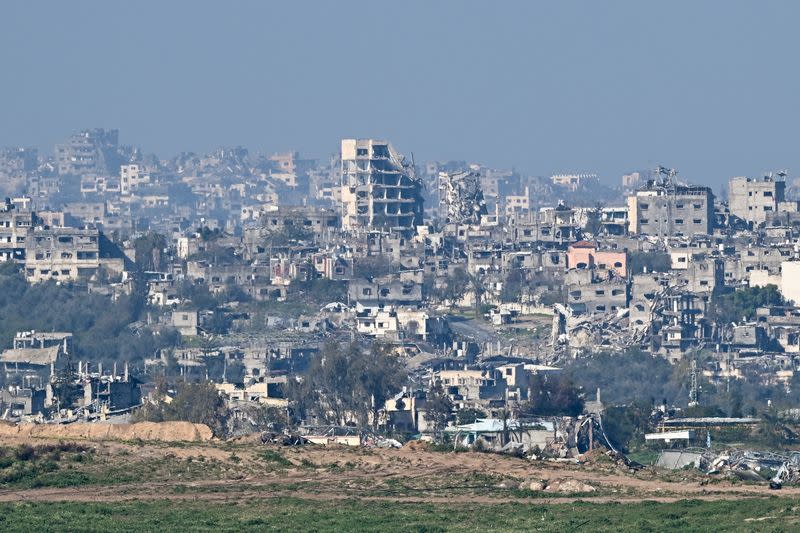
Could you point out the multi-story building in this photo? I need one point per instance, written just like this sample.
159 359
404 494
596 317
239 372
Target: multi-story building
573 181
753 200
631 181
88 152
14 227
588 292
516 203
585 254
290 169
62 254
16 164
379 188
667 209
131 177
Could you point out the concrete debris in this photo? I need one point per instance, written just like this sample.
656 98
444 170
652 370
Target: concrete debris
533 485
608 330
386 443
283 439
461 197
569 486
747 465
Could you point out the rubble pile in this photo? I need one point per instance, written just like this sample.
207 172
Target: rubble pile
747 465
560 486
609 330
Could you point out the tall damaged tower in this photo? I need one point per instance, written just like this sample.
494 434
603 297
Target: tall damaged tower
380 190
461 197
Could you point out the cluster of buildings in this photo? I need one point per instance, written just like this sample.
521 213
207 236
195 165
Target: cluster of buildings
479 278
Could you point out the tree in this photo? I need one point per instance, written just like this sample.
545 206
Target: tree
235 372
303 398
469 415
626 425
514 286
381 374
199 403
553 396
351 384
197 295
774 431
630 375
220 322
741 304
455 286
148 249
64 389
478 289
438 409
100 325
338 387
318 291
293 231
266 417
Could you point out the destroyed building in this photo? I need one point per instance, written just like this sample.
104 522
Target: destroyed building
461 198
379 188
66 254
89 152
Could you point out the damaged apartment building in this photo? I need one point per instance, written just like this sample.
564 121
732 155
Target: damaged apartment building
380 191
310 253
68 254
664 208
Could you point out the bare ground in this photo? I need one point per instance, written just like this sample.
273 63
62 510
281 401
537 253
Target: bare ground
248 470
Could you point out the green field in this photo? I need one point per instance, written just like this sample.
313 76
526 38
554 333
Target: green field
768 514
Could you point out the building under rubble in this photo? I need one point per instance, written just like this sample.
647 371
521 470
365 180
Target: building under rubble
380 190
461 197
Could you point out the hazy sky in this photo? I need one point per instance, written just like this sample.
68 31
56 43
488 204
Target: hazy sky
710 88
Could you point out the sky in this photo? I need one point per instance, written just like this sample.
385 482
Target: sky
709 88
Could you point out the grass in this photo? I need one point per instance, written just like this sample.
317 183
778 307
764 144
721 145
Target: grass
768 514
72 465
645 457
271 456
51 465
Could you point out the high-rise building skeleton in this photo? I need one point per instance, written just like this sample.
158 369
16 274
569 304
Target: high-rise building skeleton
380 190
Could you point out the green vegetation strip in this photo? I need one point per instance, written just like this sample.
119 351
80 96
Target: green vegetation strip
766 514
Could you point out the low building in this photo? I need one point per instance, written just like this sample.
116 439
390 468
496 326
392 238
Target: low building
186 322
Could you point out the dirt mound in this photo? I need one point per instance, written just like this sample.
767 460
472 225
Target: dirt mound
417 445
155 431
569 486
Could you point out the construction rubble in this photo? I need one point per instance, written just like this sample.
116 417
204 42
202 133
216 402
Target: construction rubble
748 465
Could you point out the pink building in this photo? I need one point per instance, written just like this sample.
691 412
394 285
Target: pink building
584 254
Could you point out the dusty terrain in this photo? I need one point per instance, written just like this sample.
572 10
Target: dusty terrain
161 431
113 470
